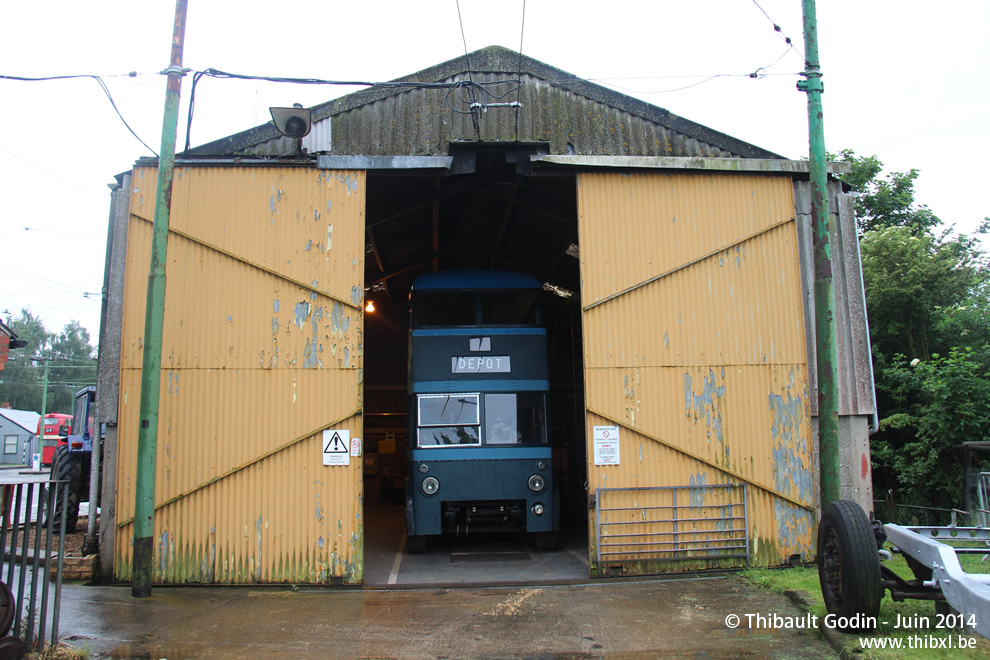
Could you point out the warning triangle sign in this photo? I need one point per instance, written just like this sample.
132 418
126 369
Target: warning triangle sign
335 445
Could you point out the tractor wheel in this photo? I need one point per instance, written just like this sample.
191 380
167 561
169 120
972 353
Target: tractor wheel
848 566
68 468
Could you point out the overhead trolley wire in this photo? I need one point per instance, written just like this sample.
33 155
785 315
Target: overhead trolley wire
471 97
779 31
477 96
522 32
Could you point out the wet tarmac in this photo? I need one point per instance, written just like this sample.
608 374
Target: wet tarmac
463 598
684 618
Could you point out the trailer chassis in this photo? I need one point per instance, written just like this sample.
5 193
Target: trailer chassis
853 579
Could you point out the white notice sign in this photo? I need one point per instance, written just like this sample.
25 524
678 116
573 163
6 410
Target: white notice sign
336 447
606 445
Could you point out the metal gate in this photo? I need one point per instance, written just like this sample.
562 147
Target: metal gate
671 523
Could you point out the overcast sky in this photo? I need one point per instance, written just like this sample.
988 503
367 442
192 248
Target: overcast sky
902 81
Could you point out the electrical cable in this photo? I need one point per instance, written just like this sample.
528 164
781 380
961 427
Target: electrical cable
64 233
49 173
216 73
467 92
776 28
52 284
522 32
103 86
472 99
775 62
106 91
192 104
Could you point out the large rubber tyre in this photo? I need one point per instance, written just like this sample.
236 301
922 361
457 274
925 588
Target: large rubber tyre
849 566
12 648
66 467
8 609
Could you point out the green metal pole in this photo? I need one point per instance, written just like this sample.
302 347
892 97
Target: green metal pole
828 387
154 317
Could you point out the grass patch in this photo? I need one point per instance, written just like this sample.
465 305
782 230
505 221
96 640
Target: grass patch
805 578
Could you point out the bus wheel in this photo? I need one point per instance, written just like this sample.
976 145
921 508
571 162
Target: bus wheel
66 467
848 564
546 541
416 545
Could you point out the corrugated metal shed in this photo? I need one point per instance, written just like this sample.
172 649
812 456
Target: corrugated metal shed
677 265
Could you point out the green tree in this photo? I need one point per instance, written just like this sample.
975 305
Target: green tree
21 387
885 201
941 403
927 292
73 366
70 359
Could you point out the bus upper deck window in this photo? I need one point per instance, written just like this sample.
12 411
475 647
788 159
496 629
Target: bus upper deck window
442 308
509 307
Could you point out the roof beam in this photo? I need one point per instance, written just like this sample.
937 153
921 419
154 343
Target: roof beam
765 165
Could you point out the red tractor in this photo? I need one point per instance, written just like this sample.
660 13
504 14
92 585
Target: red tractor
53 428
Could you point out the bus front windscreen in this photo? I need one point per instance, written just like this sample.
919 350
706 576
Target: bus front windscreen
448 419
515 418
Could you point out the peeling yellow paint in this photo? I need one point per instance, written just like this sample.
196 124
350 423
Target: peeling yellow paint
248 461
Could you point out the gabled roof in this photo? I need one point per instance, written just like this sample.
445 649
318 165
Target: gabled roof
572 114
26 419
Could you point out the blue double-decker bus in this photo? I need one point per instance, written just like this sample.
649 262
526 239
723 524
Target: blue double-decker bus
479 450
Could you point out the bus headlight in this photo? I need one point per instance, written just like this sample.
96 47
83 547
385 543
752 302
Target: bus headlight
537 483
542 466
430 485
538 509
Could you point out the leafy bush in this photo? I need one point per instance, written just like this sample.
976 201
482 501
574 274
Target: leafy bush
941 403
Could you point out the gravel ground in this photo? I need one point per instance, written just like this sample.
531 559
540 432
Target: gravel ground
73 542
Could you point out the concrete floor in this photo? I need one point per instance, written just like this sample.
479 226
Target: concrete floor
631 619
479 559
473 598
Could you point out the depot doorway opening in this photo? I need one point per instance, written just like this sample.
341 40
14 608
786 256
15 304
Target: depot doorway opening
489 211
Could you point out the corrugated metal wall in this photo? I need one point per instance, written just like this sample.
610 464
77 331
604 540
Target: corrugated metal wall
262 351
694 344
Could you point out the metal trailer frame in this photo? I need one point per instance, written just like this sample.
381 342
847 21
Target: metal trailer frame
853 582
968 594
